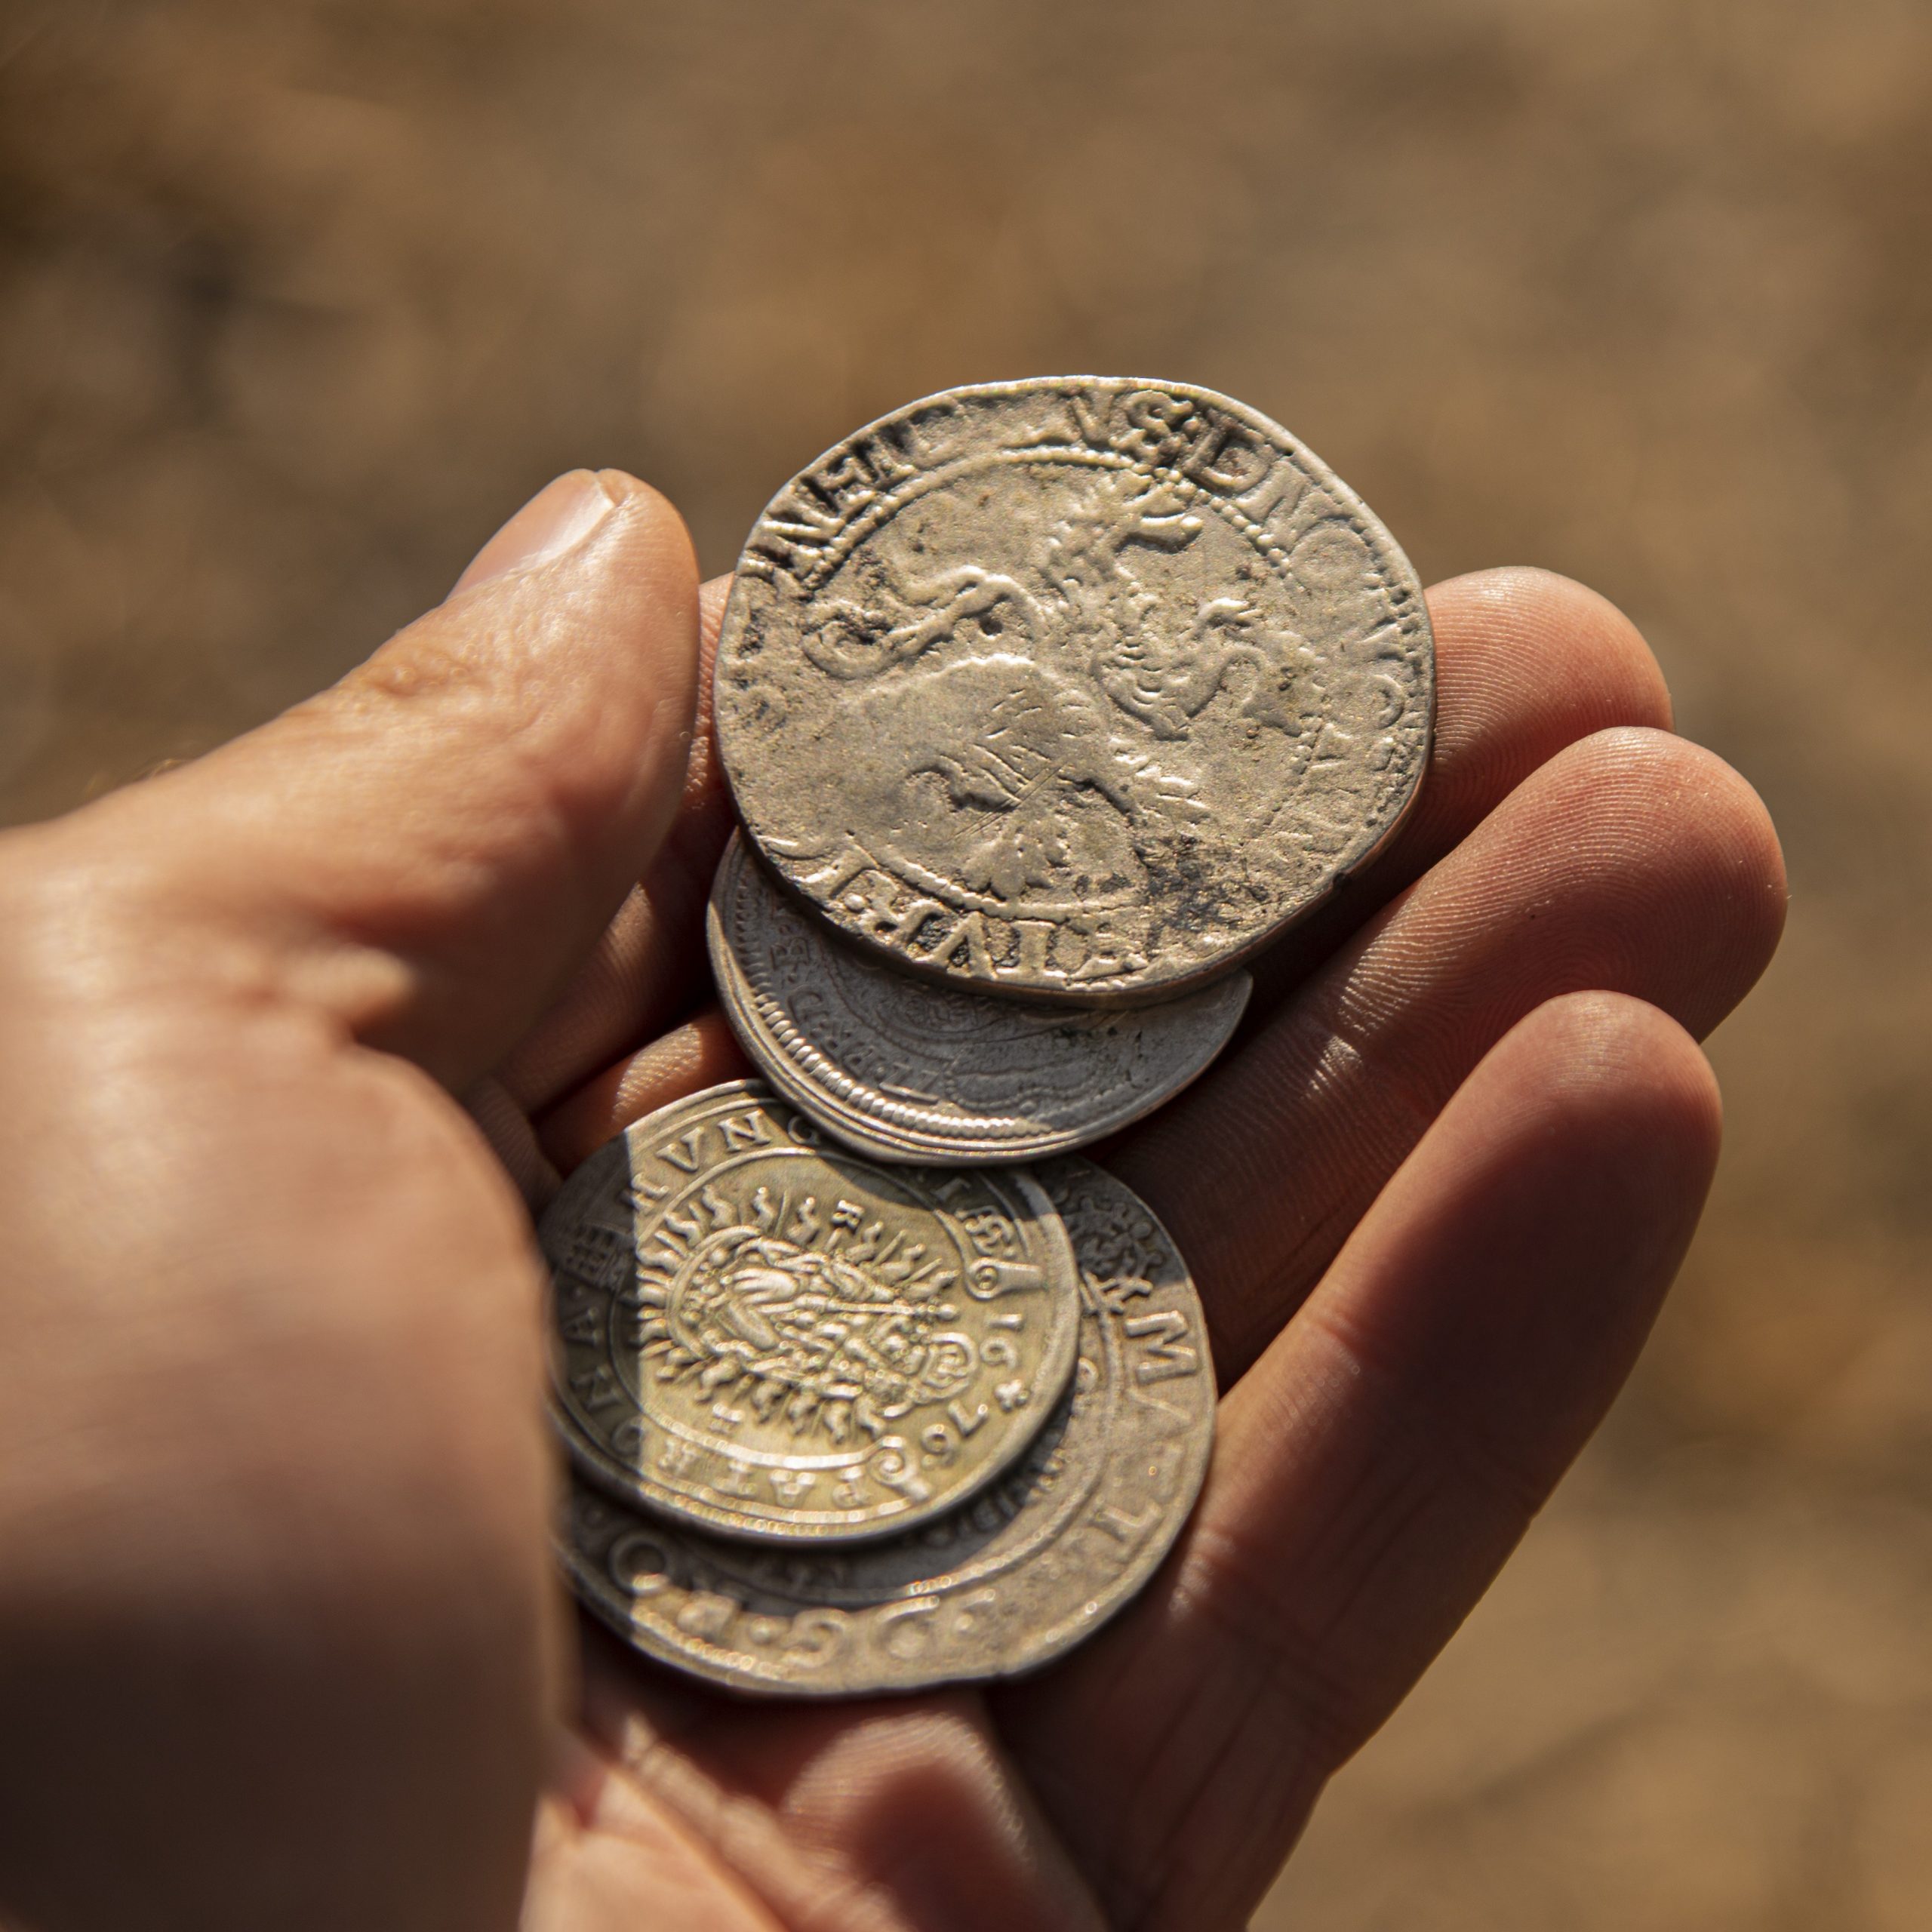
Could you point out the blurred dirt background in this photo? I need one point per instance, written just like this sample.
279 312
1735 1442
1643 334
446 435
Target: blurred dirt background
299 300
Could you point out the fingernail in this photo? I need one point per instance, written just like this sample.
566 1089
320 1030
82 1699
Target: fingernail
558 519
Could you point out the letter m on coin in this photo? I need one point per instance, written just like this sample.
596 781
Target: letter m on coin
1165 1350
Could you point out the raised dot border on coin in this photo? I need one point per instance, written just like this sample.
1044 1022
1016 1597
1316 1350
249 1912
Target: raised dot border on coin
1001 1586
757 1332
1249 806
881 1060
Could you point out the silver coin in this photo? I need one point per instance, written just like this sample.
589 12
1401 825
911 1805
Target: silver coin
904 1070
1005 1583
757 1331
1080 688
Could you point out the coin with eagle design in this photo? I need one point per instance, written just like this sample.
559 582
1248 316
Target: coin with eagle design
760 1332
1078 689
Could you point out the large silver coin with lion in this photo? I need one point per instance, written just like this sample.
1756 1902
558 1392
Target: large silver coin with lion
907 1071
759 1331
1079 688
1004 1583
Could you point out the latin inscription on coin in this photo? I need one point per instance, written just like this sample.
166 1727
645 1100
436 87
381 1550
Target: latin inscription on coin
1075 687
757 1331
1001 1585
904 1070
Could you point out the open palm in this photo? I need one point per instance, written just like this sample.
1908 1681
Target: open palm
277 1623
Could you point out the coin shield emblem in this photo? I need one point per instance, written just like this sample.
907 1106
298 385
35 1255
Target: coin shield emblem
1000 1585
772 1337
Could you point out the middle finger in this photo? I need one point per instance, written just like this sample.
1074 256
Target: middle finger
1526 663
1633 861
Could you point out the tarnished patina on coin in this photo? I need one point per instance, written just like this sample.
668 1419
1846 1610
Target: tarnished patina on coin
759 1331
1080 688
1002 1585
904 1070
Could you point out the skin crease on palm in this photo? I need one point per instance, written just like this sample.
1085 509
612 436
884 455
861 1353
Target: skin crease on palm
296 1036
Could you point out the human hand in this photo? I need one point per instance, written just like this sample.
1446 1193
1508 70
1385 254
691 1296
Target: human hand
279 1643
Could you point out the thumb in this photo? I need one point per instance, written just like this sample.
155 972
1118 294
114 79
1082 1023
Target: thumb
427 849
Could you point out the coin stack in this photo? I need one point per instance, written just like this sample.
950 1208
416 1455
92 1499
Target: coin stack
1044 706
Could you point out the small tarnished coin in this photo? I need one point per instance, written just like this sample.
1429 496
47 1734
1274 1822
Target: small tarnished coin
904 1070
1080 688
754 1331
1004 1583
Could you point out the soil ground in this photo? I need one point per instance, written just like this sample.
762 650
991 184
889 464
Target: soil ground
297 301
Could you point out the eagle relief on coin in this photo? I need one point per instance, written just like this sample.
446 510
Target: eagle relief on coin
1005 1582
1076 688
904 1069
756 1330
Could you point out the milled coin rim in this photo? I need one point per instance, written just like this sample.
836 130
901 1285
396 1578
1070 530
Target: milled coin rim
867 1120
1151 989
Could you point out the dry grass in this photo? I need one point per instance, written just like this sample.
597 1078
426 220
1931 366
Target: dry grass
300 299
